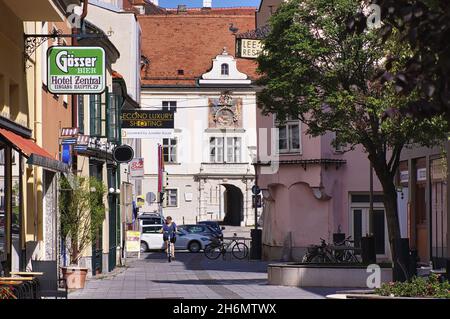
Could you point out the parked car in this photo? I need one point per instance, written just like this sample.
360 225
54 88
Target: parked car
214 225
150 219
152 239
202 229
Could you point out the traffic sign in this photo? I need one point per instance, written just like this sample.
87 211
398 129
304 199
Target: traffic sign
256 190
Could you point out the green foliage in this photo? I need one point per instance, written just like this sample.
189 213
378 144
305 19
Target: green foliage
317 71
417 287
82 212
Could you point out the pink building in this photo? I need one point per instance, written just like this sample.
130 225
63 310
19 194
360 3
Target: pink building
316 191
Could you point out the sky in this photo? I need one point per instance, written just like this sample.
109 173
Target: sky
215 3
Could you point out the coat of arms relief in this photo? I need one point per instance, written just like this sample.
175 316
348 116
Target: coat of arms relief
225 112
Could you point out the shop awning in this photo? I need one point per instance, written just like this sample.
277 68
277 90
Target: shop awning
36 154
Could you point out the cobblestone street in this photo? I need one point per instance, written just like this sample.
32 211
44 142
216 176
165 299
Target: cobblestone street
191 276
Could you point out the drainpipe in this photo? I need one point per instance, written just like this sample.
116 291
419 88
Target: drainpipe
75 31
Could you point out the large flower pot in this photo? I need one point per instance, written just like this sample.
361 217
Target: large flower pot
74 276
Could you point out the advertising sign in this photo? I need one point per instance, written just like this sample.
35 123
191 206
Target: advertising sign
76 70
147 124
147 119
249 48
133 241
137 168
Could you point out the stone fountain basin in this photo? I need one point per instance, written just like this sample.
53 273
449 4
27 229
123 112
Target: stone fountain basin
324 275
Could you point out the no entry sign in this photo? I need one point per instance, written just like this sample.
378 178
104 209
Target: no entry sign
76 70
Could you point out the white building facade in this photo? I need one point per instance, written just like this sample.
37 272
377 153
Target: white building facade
209 158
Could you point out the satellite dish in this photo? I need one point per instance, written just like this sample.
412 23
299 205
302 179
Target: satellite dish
123 153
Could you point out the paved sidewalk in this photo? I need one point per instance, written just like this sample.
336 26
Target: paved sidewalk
192 276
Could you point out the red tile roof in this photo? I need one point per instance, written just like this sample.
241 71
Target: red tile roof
190 41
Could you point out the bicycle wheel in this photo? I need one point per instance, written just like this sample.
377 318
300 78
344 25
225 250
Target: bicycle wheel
213 252
240 250
321 258
307 258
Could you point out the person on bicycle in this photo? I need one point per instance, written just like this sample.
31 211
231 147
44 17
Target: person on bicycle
169 230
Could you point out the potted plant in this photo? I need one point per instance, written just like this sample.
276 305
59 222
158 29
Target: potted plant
82 212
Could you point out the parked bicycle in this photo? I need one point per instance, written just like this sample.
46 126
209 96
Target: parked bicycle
319 253
340 252
239 250
345 251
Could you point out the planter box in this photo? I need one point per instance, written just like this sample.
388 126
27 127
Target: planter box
323 275
75 277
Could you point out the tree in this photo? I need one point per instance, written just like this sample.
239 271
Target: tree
82 212
425 25
314 69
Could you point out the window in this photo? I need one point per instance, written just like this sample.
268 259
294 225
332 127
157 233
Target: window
171 197
289 136
339 148
151 230
233 149
216 149
169 106
95 107
230 152
225 69
81 113
112 114
195 229
169 150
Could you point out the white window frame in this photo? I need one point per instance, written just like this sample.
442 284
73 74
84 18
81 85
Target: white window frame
236 149
365 210
287 124
169 148
225 147
167 197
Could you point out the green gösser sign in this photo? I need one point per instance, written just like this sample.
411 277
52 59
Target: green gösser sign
76 70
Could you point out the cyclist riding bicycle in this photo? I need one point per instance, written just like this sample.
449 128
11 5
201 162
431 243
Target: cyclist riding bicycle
169 230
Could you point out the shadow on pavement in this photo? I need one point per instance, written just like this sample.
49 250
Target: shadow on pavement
198 261
221 282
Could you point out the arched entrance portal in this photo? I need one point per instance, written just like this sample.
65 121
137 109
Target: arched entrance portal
233 205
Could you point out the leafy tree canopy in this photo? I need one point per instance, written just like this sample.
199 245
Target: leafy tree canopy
425 26
315 69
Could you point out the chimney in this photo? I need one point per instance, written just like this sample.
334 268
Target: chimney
207 4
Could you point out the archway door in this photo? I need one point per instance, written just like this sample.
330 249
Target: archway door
233 205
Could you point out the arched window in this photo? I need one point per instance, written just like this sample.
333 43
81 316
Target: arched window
225 69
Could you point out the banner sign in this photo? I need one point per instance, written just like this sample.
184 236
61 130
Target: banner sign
133 241
146 119
76 70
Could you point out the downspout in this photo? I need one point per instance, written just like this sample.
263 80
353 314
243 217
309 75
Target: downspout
75 31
